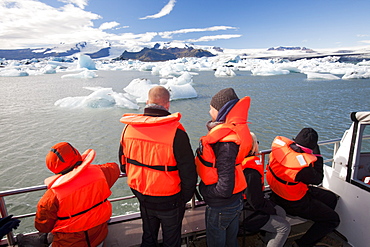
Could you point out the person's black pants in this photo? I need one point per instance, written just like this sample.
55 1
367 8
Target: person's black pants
317 205
170 221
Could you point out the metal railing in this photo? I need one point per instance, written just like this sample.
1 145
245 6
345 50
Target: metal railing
3 194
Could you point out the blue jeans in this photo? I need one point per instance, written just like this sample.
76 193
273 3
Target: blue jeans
222 225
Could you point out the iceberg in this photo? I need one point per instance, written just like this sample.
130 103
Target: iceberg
49 69
313 76
269 71
185 78
13 73
139 89
185 91
180 88
87 74
224 72
99 98
84 61
359 74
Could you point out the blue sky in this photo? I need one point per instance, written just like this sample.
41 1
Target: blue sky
238 24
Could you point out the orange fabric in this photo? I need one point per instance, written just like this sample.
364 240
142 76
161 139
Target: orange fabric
149 141
286 163
254 162
56 202
97 235
235 129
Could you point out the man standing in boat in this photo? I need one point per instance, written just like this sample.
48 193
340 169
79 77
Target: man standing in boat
75 208
294 166
156 155
218 161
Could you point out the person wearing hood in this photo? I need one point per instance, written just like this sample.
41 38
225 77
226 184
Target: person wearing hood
75 207
218 161
295 166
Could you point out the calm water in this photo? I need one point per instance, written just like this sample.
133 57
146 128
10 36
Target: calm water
30 123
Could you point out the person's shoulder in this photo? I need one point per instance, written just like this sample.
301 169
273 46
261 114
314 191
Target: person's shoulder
110 165
180 132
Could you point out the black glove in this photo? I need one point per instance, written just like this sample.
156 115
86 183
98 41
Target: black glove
5 220
7 224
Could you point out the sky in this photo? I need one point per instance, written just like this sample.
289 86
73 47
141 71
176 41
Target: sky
232 24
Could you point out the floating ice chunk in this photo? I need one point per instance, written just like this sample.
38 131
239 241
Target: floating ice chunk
266 71
139 88
146 67
123 102
360 74
313 76
13 73
100 98
168 69
364 63
180 88
84 61
84 74
185 91
49 69
185 78
224 72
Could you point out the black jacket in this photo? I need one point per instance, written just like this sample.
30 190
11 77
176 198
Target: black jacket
221 193
257 209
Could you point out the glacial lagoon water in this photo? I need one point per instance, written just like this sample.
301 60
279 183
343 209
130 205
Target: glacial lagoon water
30 123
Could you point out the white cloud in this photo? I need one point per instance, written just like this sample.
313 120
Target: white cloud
79 3
34 24
25 22
214 37
365 41
168 34
164 11
108 25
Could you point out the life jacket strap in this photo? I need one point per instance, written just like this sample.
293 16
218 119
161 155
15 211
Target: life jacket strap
204 162
158 168
281 180
82 212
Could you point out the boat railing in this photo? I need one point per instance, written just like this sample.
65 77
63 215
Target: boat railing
4 212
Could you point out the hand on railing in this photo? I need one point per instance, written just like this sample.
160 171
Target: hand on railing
7 224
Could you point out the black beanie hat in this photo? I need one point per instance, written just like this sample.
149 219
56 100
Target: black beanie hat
307 137
222 97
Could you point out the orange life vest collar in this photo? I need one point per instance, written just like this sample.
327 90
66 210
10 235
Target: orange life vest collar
141 119
284 165
154 173
236 130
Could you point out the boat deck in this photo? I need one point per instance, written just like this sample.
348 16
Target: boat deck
129 233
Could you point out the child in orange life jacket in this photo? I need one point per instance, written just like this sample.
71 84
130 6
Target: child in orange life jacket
259 212
67 209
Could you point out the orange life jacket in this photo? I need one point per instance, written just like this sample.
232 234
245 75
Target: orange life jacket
148 153
82 195
283 167
254 162
235 129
